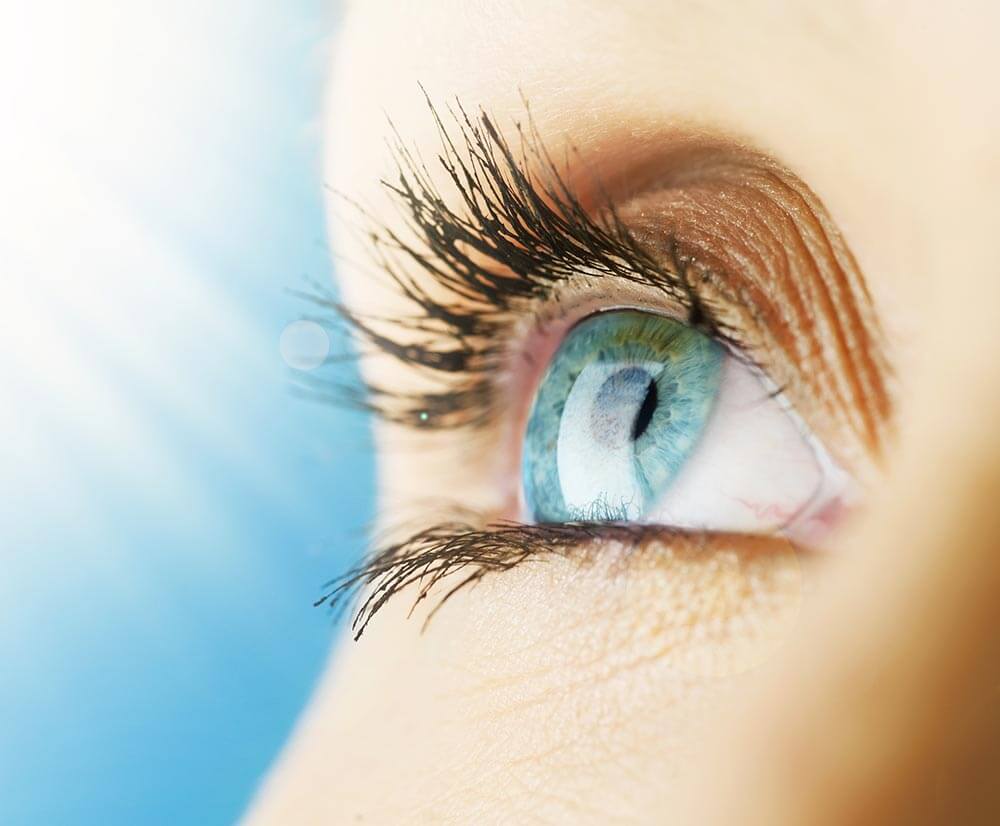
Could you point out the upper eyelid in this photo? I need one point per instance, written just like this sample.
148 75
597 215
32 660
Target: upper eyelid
518 234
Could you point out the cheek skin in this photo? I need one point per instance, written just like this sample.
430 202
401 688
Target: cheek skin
592 678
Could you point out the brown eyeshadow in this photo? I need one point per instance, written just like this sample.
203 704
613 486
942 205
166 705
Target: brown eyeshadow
769 261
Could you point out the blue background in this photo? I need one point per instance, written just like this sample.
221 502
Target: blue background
170 508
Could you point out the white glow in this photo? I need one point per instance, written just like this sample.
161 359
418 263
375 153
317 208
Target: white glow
120 148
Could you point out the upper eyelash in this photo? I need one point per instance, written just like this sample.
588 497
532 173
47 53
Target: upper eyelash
521 232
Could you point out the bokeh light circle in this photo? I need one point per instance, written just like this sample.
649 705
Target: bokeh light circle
304 345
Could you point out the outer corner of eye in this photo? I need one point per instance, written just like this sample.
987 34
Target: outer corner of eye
641 418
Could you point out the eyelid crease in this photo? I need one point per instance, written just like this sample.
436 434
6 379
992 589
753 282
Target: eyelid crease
429 556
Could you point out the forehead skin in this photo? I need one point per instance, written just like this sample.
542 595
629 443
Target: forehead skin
878 106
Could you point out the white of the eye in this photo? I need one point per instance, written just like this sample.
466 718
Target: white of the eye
754 469
596 465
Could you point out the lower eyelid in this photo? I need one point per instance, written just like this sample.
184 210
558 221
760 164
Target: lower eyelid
442 560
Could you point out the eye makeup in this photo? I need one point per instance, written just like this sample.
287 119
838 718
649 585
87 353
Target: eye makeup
772 265
726 242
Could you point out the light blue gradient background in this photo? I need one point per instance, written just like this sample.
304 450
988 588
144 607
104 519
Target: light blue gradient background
169 507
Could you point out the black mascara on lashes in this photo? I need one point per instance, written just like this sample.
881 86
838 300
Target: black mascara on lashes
517 235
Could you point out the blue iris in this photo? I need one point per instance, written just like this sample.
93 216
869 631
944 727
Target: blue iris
616 415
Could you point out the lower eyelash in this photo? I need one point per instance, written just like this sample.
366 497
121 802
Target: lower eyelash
427 557
430 556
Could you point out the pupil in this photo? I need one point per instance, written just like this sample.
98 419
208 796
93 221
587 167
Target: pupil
645 414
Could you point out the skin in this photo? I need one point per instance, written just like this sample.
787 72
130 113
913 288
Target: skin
571 692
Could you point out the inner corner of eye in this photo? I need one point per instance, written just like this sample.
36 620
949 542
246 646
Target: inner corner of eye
641 418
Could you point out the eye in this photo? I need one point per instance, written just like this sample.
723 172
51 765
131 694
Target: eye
642 418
